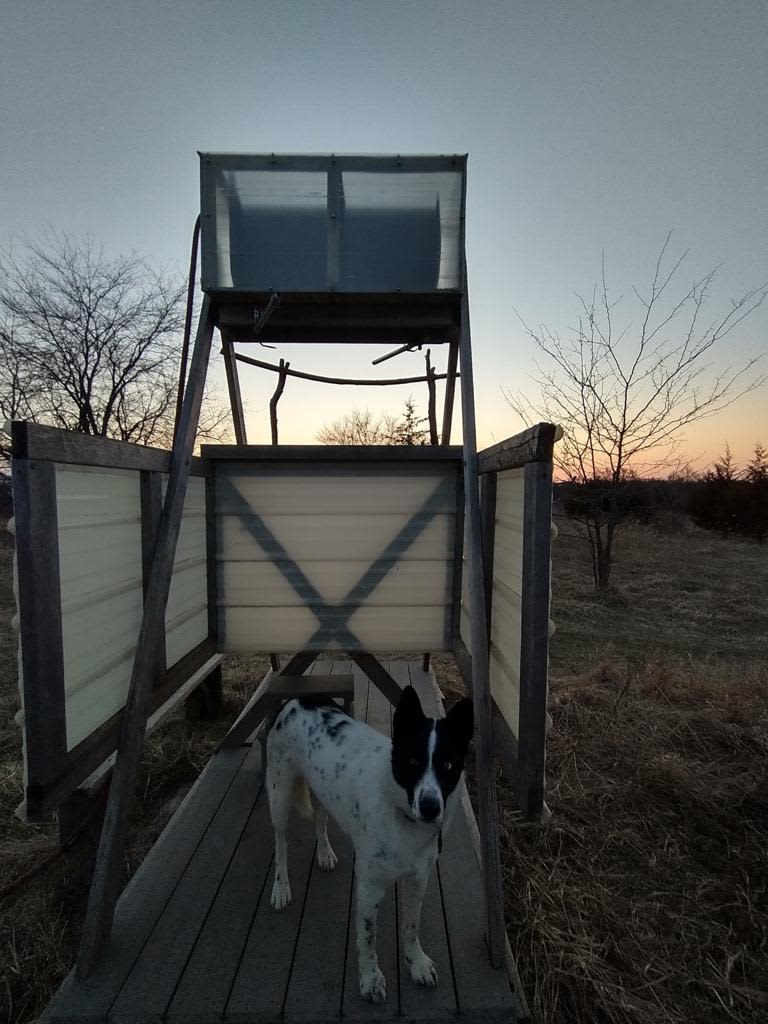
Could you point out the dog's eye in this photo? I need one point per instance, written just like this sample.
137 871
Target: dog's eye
447 765
413 761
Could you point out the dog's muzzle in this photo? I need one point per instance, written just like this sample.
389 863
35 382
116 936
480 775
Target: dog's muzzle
430 807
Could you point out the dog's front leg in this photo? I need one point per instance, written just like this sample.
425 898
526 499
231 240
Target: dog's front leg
421 968
373 985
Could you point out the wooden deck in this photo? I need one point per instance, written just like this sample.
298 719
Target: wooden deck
195 940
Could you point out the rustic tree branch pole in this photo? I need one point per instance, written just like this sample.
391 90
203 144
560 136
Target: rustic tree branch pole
108 870
360 382
432 406
276 398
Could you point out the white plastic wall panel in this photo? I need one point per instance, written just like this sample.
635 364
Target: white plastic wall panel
506 602
369 548
186 616
101 590
99 515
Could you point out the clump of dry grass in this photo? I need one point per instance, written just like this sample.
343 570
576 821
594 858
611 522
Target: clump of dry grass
644 899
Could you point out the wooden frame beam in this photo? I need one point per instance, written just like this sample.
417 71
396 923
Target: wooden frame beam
50 444
84 759
534 635
42 642
346 453
450 392
535 444
481 692
107 876
233 386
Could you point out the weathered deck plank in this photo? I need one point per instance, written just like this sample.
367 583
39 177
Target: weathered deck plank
203 990
144 899
316 979
147 990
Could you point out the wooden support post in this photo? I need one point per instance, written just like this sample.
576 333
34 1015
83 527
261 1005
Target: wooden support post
432 406
206 702
488 521
42 643
450 391
211 565
108 870
233 385
481 691
276 398
151 489
458 563
534 635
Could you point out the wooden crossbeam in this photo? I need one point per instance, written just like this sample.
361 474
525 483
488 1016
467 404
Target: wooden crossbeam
276 688
108 870
378 675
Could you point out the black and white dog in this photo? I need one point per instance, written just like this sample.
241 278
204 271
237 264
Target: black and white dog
393 800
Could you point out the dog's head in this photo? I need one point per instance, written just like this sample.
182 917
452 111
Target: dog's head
428 755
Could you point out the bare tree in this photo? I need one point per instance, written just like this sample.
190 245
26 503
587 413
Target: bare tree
92 343
362 426
624 395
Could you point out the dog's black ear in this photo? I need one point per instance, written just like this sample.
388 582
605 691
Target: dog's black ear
461 722
408 714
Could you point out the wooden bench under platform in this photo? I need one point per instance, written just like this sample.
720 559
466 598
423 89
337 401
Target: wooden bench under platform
195 939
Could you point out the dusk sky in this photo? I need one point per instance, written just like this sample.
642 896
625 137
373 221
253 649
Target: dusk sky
589 126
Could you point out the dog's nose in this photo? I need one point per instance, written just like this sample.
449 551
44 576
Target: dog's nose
429 806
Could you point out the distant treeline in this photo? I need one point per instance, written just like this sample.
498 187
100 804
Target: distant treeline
724 499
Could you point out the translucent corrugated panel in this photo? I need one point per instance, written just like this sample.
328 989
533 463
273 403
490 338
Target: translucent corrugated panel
400 232
186 615
506 603
324 559
272 230
358 231
101 590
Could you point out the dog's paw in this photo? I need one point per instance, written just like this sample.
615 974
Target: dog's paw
326 858
422 970
281 894
373 986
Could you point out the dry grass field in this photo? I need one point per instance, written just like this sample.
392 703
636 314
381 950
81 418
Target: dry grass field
646 897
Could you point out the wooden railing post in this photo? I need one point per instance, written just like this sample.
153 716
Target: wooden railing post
481 691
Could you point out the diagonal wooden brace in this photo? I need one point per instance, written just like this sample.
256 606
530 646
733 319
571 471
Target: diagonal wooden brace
108 870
